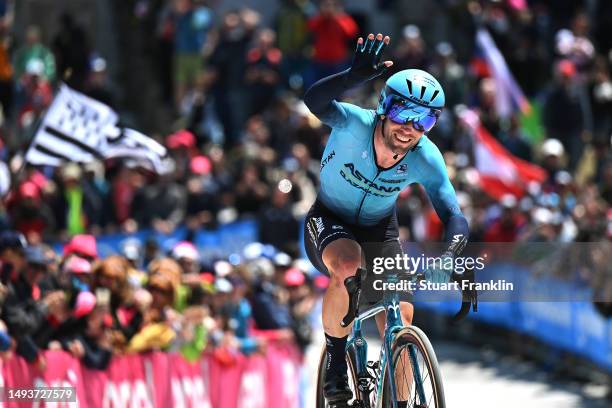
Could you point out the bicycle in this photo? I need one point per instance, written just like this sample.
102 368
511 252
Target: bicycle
374 382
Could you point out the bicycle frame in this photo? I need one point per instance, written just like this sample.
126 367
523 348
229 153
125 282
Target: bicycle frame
358 346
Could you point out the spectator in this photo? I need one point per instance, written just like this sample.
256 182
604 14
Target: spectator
277 223
111 284
6 73
88 338
507 226
332 30
202 200
98 85
71 49
291 24
263 71
411 50
26 310
30 214
191 24
78 206
160 204
567 99
156 332
515 140
34 50
229 64
12 256
250 190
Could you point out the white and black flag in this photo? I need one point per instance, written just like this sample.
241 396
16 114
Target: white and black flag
77 128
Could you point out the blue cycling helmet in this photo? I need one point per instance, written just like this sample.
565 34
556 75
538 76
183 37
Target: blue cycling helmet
411 85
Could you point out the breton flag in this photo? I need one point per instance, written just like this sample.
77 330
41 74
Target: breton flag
499 171
508 93
77 128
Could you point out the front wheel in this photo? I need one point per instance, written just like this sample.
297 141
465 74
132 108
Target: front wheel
352 375
414 359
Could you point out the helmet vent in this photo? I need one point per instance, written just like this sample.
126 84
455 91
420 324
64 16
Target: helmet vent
434 95
422 92
409 82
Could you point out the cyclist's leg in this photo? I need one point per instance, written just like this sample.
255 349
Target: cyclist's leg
342 257
333 250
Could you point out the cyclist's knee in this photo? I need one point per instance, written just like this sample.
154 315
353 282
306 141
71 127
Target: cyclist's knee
343 267
342 259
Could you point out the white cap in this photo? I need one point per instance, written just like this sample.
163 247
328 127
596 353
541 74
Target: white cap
508 201
542 216
222 268
222 285
552 147
411 31
35 66
185 249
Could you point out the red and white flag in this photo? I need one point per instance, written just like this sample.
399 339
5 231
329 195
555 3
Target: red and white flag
500 172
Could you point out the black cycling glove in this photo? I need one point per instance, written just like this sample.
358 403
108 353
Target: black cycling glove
367 63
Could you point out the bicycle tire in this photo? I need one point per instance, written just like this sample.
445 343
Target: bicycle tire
320 399
414 335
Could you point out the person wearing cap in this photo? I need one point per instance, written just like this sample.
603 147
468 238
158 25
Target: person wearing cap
79 273
82 245
34 49
30 214
507 226
552 154
85 334
301 303
565 114
26 312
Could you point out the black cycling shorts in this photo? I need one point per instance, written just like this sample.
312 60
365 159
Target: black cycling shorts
322 227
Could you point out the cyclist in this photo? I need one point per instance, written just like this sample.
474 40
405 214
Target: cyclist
371 156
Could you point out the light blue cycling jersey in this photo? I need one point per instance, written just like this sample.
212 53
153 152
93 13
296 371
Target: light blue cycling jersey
360 192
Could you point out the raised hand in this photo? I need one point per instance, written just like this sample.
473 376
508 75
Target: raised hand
366 63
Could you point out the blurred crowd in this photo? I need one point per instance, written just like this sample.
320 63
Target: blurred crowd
244 145
144 300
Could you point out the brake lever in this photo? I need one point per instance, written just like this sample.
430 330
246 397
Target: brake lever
353 287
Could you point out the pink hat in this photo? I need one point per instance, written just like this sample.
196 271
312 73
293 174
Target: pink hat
84 245
29 190
182 138
200 165
85 303
294 277
78 265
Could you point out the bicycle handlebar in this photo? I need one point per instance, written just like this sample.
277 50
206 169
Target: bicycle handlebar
353 288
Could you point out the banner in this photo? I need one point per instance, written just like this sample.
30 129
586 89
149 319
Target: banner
166 380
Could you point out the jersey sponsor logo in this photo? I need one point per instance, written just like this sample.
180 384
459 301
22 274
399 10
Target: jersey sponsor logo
356 179
327 159
402 168
311 232
319 225
337 227
399 181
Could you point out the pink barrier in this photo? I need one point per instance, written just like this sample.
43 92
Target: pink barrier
167 380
